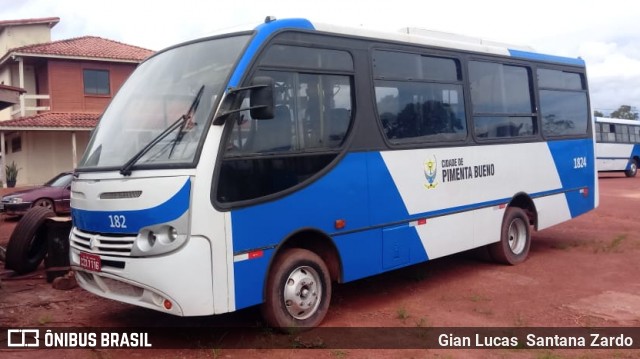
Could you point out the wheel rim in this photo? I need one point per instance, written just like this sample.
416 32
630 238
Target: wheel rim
633 168
517 236
44 204
302 292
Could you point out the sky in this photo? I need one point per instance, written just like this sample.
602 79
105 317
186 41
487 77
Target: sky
606 34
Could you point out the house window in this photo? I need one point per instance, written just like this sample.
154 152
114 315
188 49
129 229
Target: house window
96 82
16 144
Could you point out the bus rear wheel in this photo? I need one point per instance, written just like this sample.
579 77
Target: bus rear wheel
633 169
515 238
298 291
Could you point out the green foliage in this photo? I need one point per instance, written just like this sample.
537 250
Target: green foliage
11 172
625 112
613 246
402 313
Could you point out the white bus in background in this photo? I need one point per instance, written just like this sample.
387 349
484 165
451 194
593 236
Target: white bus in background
617 145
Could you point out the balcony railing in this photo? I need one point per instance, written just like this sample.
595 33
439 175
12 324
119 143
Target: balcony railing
29 105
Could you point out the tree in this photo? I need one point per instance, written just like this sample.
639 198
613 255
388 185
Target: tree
598 114
625 112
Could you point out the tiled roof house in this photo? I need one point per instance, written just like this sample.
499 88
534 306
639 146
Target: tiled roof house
62 88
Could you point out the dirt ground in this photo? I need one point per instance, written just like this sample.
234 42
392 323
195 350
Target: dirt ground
583 273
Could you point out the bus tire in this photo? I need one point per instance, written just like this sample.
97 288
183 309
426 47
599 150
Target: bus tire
28 242
298 291
633 169
515 238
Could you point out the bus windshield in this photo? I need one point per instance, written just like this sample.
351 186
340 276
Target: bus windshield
178 86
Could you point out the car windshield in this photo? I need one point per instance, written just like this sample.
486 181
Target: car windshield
182 83
61 180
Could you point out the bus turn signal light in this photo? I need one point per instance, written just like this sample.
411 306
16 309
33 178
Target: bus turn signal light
340 223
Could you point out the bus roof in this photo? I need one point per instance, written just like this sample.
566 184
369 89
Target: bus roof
619 121
422 37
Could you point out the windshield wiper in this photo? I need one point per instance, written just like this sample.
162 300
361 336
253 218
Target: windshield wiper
180 122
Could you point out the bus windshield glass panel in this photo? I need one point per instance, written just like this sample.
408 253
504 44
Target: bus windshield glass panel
162 110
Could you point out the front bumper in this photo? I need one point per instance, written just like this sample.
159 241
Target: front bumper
15 209
183 277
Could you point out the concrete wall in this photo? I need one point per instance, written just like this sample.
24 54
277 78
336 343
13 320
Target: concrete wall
18 36
5 78
23 35
44 154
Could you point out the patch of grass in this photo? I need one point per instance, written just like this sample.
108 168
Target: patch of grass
548 355
340 354
616 242
477 298
613 246
567 244
484 311
519 321
422 322
45 319
402 313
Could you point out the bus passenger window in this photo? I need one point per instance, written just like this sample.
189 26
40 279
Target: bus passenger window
563 103
420 100
502 101
312 118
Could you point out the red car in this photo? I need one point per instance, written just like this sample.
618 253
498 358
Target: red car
55 195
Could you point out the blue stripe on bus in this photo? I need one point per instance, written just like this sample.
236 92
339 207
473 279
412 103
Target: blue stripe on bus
460 209
548 58
575 174
262 34
134 220
363 182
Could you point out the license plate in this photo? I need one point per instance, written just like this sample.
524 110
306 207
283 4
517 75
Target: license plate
90 262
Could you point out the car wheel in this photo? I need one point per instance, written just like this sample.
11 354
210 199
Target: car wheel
44 203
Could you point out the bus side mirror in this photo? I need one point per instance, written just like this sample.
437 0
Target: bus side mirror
261 100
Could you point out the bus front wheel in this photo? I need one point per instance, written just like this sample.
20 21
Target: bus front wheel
298 290
515 238
633 169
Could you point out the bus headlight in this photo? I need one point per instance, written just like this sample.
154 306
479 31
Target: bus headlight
173 234
146 240
156 240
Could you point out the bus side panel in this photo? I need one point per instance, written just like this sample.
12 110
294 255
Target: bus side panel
615 156
575 163
360 254
342 193
551 210
488 225
249 279
339 194
442 236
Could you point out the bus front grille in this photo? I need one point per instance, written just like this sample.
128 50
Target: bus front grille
111 245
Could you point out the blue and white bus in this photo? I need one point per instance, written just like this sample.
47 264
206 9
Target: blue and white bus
260 167
617 145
